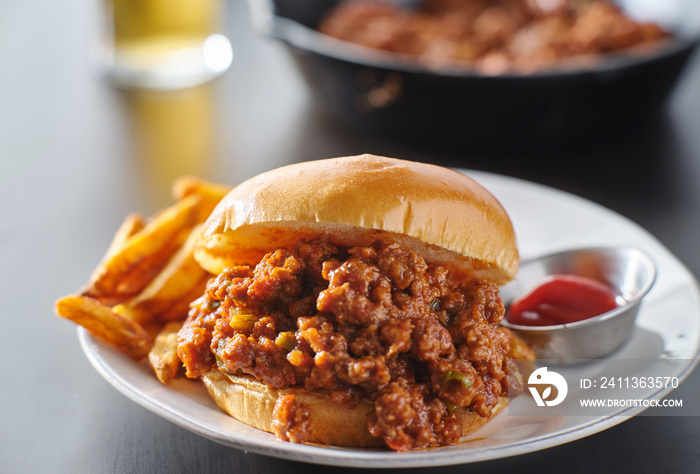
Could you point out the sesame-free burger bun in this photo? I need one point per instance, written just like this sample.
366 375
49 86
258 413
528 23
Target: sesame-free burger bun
441 214
253 402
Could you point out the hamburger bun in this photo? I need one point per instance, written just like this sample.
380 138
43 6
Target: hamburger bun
252 402
442 215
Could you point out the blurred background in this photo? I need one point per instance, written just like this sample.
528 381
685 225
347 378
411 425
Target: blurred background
81 146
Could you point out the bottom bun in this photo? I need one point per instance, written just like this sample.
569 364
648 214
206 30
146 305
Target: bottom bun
252 402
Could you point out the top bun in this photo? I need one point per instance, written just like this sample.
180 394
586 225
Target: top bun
444 216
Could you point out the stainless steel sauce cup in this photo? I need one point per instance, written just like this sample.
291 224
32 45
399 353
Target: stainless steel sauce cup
629 272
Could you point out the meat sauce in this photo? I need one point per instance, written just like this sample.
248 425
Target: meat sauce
493 36
562 299
375 323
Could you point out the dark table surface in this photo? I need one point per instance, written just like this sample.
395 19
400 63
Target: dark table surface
76 156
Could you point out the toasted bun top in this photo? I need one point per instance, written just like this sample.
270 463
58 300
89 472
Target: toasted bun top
444 216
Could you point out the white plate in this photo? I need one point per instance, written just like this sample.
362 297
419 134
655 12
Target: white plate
545 220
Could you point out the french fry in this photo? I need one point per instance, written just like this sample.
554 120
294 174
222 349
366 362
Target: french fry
163 355
148 278
140 275
179 276
146 246
131 224
104 323
210 193
143 273
179 310
188 185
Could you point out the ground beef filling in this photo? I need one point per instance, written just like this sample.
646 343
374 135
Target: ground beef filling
493 36
373 322
290 420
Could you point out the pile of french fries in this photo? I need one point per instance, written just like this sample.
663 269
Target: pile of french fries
139 295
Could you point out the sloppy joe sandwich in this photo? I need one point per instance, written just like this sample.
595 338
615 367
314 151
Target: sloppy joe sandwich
355 303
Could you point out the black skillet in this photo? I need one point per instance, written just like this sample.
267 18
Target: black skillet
462 108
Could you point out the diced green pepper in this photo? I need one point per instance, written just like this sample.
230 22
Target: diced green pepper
242 322
458 376
213 304
286 340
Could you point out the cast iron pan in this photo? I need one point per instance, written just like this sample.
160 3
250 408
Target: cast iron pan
460 109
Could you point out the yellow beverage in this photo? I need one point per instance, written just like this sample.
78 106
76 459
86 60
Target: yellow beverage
163 43
141 23
173 134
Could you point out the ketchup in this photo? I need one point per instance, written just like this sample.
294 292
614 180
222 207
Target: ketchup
562 299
